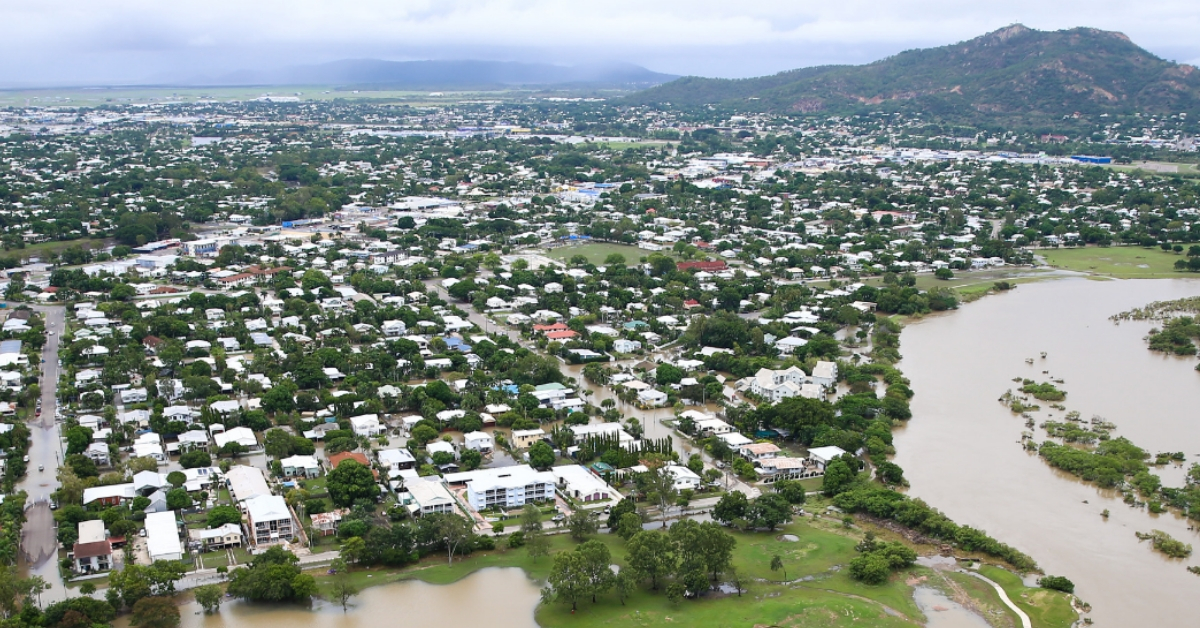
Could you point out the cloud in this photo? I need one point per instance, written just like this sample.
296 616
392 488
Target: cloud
98 40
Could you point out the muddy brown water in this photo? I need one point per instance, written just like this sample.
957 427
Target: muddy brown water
494 597
961 452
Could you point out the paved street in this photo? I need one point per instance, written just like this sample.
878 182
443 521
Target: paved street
39 542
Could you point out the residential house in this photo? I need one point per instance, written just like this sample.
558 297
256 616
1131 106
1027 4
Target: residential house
505 487
92 552
523 439
225 536
162 536
428 497
479 441
326 523
300 466
582 485
269 520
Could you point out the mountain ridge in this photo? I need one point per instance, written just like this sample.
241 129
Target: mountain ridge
1011 71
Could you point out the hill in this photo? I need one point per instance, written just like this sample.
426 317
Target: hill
467 74
1014 70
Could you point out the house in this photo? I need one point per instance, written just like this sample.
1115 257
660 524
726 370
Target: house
505 487
162 536
782 468
825 374
622 345
300 466
428 497
243 436
339 458
822 456
92 553
684 477
98 454
652 398
396 460
246 483
584 432
759 451
712 427
367 425
523 439
193 440
225 536
582 485
111 495
326 523
775 385
479 441
133 395
269 520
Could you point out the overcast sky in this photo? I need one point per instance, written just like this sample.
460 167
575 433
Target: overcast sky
66 42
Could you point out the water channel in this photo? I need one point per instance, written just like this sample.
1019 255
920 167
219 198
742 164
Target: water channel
961 451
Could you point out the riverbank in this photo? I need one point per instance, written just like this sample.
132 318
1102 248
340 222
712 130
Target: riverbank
1118 262
962 450
818 591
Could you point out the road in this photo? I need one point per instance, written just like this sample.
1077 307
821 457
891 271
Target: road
39 542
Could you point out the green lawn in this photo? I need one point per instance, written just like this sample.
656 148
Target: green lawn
597 252
830 598
242 555
215 559
1122 262
1046 608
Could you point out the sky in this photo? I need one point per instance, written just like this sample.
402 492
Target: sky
79 42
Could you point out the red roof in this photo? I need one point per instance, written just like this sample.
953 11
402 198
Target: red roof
339 458
554 327
50 289
93 549
709 267
561 335
691 303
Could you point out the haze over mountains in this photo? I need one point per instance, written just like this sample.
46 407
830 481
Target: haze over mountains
1011 71
465 74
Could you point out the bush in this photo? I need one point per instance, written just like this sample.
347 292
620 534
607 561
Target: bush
1057 583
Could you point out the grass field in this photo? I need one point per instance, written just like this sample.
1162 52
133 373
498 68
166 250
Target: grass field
828 598
1046 608
597 252
1121 262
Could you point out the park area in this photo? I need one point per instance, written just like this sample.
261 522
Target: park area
597 252
1120 262
812 587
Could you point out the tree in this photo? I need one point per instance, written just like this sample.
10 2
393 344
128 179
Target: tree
667 374
568 579
176 478
135 582
769 511
731 507
178 499
944 273
651 555
354 549
624 584
454 532
209 597
221 515
351 481
737 580
341 587
470 459
631 524
155 612
582 525
838 477
715 549
627 505
273 576
541 456
597 566
791 490
777 564
195 459
536 542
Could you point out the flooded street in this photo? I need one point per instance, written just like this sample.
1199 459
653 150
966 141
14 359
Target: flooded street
961 451
498 598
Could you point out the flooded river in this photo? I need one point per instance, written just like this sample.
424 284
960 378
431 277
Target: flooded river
497 598
961 450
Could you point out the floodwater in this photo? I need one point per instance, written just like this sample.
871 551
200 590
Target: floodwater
942 612
961 451
494 597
